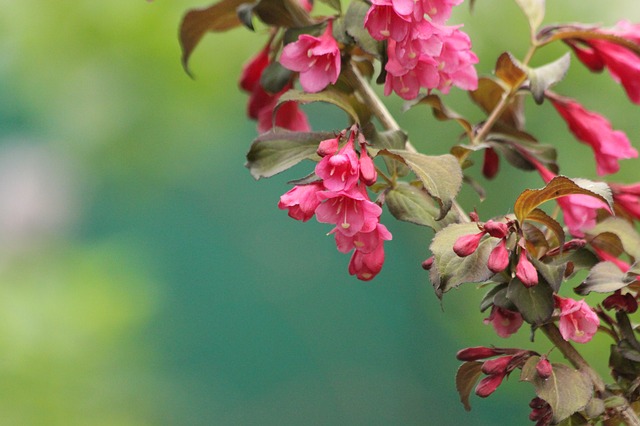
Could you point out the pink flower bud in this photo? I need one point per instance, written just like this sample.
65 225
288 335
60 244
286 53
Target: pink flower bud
427 264
467 244
474 216
499 257
543 367
525 271
328 146
476 353
496 229
496 365
491 163
368 174
488 385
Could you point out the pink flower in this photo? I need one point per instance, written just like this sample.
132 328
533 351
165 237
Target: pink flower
525 271
365 242
608 145
301 201
439 10
627 198
341 170
350 210
504 321
622 63
383 21
366 266
578 322
317 59
456 62
252 70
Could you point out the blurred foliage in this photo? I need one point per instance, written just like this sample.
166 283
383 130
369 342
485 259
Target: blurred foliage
174 291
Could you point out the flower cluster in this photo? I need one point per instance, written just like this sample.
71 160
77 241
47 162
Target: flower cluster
422 51
262 103
340 198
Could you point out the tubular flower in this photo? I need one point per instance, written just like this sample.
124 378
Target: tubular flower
301 201
504 321
578 322
609 146
317 59
627 198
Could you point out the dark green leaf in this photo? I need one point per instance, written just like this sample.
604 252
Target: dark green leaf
411 204
339 99
441 175
466 379
566 390
449 270
282 13
547 75
354 27
553 274
535 304
605 277
197 22
276 151
245 15
275 77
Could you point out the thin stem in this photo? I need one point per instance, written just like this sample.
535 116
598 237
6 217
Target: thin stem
628 415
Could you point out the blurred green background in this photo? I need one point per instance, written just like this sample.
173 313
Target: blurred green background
146 279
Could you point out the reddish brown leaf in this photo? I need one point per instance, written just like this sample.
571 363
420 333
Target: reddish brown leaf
509 71
488 95
466 379
196 23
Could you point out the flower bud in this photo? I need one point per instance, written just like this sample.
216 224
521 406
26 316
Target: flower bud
328 146
496 365
525 271
496 229
488 385
467 244
368 173
427 264
499 257
543 367
491 163
476 353
474 216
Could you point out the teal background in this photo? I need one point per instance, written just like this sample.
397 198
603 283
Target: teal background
147 279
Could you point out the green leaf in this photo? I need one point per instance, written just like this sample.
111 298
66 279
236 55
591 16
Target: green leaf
535 304
334 4
389 139
449 270
581 259
605 277
560 186
577 419
276 151
197 22
547 75
566 390
441 175
627 234
411 204
354 27
440 111
245 15
534 10
509 70
466 379
514 147
275 77
331 96
553 274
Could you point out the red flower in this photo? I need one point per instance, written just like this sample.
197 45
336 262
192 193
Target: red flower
608 145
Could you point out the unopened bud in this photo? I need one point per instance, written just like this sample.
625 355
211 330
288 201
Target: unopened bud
543 367
368 173
525 271
328 147
488 385
499 258
496 229
474 216
476 353
491 163
427 264
496 365
467 244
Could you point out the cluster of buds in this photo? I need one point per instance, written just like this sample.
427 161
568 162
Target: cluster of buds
422 51
340 198
541 412
499 258
496 369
